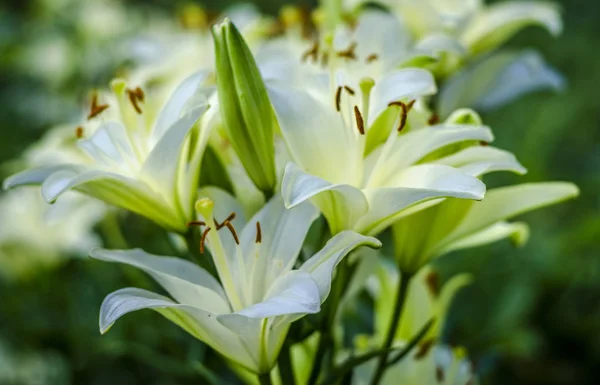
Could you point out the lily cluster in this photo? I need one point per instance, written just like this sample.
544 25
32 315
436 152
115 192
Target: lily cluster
282 157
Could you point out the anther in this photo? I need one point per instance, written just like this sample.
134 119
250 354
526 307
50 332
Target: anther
484 144
348 53
410 104
403 116
349 90
360 123
96 109
203 239
312 52
434 119
195 223
432 280
79 132
136 95
258 232
424 349
232 230
371 58
338 98
228 219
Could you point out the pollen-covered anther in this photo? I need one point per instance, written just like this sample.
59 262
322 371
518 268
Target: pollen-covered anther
79 132
348 53
434 119
371 58
360 123
424 349
95 108
203 239
228 219
229 225
135 96
258 232
404 108
432 280
338 99
411 104
312 52
483 143
195 223
350 90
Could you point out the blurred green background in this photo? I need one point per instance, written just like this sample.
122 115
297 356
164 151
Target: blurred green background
531 317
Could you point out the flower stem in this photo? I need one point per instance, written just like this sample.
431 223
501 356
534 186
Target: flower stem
286 370
265 379
394 322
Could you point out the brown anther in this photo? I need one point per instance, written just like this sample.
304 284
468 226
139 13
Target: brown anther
439 374
228 219
396 103
312 52
324 59
96 109
203 239
136 95
79 132
232 230
484 144
434 119
258 232
195 223
371 58
424 349
403 116
432 280
348 53
360 123
350 90
410 104
338 99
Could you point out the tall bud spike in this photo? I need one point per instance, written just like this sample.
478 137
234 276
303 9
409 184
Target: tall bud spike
245 107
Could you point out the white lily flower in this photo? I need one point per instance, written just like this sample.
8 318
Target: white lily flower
457 224
245 318
141 163
35 236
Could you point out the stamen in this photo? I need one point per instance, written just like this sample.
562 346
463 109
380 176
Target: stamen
338 98
96 109
195 223
136 95
396 103
403 116
360 123
434 119
79 132
324 59
258 232
371 58
232 230
484 144
410 104
228 219
348 53
424 349
350 90
312 52
203 239
439 374
432 280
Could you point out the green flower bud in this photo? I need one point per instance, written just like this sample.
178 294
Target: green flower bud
245 107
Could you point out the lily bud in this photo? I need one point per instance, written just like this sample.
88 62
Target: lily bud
245 107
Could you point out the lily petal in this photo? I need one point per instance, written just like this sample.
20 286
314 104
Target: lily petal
341 204
507 202
499 22
188 283
478 160
414 185
33 176
321 265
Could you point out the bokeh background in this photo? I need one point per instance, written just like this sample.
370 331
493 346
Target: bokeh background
532 315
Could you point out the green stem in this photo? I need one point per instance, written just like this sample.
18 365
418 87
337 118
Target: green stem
286 369
394 322
265 379
113 236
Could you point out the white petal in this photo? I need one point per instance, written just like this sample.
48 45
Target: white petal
321 265
282 232
110 147
499 22
188 283
480 160
202 325
518 232
400 85
507 202
32 176
412 147
414 185
172 111
316 136
341 204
